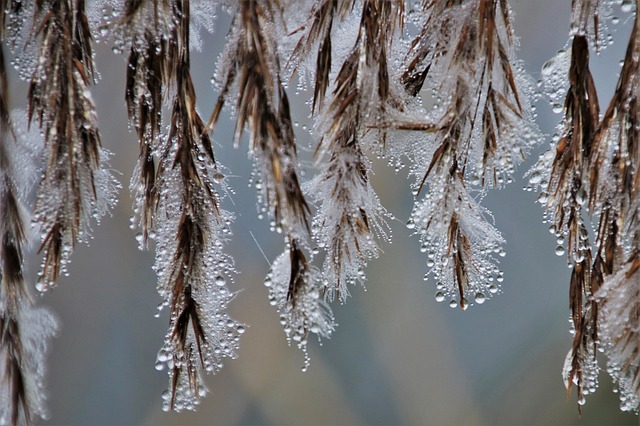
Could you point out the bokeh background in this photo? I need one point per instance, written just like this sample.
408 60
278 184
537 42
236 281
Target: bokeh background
397 357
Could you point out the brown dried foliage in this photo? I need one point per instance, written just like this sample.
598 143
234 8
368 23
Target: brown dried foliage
319 28
150 70
480 49
620 130
188 141
263 106
567 190
460 249
615 197
12 290
57 102
299 272
346 115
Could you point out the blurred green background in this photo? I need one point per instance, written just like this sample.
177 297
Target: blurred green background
397 357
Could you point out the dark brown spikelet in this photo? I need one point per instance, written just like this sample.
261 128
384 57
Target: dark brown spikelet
479 131
262 105
299 272
150 71
185 311
432 42
13 376
12 290
20 362
346 172
186 137
252 65
568 190
318 30
615 160
74 186
350 211
614 198
472 58
190 232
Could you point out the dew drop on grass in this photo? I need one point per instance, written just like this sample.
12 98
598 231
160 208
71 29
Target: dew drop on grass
627 6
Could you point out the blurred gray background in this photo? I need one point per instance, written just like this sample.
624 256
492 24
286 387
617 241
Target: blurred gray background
397 357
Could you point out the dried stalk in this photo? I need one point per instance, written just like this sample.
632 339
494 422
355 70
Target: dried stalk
350 215
615 198
481 131
318 30
190 226
147 25
13 292
563 173
75 186
21 361
251 66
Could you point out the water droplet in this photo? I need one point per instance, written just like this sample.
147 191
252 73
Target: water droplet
453 303
220 281
548 67
627 6
543 198
581 196
439 296
559 250
536 178
493 288
480 298
41 286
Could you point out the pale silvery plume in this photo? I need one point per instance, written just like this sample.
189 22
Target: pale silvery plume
250 69
479 130
459 241
25 330
295 288
349 216
619 301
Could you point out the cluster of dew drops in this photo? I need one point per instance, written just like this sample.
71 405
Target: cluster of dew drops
440 295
